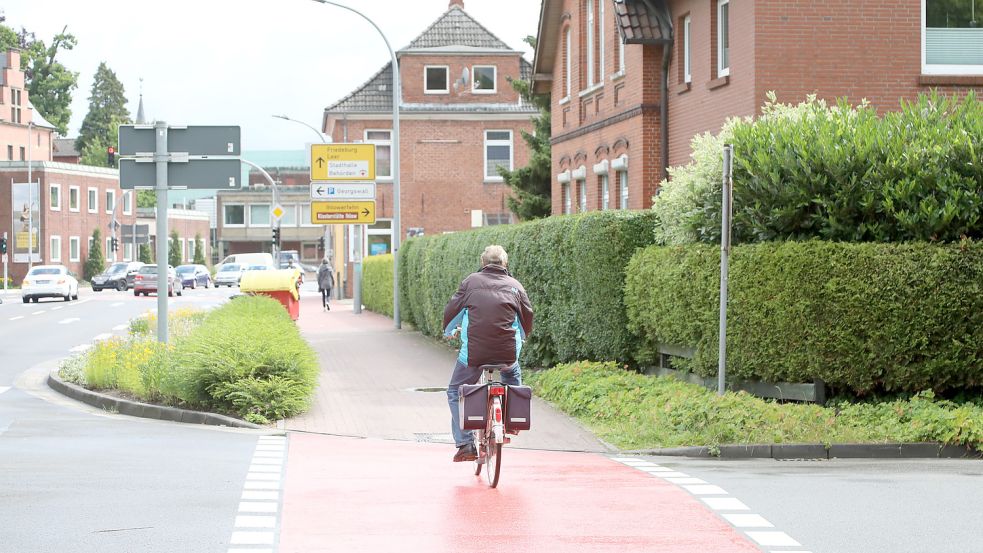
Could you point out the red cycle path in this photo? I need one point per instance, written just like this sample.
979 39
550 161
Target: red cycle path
352 494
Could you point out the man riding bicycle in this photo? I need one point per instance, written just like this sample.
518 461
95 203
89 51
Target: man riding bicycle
494 315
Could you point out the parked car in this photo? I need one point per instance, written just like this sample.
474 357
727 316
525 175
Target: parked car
284 257
229 275
193 276
49 281
118 276
145 281
246 259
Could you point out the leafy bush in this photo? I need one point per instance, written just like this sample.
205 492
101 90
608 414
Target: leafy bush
572 268
635 411
249 339
72 369
861 317
838 173
377 284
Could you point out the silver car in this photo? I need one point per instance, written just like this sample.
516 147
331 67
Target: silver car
229 275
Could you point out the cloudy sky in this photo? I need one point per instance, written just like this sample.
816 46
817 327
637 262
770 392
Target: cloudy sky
228 62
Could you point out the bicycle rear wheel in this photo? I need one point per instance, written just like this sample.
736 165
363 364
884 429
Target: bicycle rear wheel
493 463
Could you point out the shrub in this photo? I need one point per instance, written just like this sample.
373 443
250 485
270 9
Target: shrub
861 317
837 173
571 267
377 284
636 411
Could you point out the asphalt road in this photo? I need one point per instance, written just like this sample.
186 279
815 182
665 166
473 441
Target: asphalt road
73 478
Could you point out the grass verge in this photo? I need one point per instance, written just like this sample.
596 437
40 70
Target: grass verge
634 411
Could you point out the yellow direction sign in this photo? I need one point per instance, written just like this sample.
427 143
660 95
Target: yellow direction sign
343 213
342 162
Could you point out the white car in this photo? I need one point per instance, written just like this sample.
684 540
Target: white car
49 281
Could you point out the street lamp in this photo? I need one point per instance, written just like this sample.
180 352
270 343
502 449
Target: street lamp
317 132
395 155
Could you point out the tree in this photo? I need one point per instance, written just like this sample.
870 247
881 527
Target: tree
107 111
531 194
199 250
174 250
146 198
49 83
95 261
145 256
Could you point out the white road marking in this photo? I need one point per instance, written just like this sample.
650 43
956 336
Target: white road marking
37 312
780 539
671 474
267 461
243 550
270 447
17 318
57 307
725 503
4 389
656 469
100 337
121 327
747 520
255 521
266 468
685 480
269 454
83 347
69 320
117 304
263 476
252 538
257 507
253 485
256 494
705 490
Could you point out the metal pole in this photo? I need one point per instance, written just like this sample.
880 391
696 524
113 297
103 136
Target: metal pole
276 194
357 308
396 230
30 202
726 209
161 158
5 265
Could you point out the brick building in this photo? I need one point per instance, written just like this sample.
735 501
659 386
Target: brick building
632 81
460 119
24 134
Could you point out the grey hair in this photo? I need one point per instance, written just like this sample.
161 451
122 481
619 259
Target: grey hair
494 255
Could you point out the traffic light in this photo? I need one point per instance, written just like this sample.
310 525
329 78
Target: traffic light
276 236
111 156
320 242
114 244
3 244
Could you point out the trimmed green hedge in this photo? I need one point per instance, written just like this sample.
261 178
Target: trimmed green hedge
862 317
377 283
572 267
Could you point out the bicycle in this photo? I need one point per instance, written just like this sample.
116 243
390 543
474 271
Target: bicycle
489 441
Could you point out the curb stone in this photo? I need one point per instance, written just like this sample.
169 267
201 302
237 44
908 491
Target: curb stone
143 410
920 450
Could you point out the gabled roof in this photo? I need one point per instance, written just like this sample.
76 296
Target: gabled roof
456 28
65 147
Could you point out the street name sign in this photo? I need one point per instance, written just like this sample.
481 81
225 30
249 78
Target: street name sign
195 174
342 190
342 162
343 213
200 140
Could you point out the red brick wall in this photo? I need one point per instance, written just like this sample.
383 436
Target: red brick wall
411 72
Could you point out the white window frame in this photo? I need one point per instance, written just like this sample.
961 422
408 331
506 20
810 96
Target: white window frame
191 251
90 193
497 177
110 197
582 196
623 189
54 253
269 215
245 215
567 201
591 45
184 247
943 69
687 50
109 253
78 249
128 202
569 69
57 189
474 80
722 70
306 220
447 79
377 142
78 199
605 192
600 33
128 251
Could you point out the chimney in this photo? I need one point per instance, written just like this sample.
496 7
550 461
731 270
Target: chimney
458 3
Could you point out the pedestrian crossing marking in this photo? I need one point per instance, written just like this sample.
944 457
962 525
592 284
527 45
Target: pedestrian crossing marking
4 389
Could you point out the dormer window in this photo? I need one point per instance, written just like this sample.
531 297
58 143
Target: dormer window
435 79
484 79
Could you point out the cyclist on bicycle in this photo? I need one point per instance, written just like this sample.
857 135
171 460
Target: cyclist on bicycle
494 315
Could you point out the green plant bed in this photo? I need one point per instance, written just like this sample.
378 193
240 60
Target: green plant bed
634 411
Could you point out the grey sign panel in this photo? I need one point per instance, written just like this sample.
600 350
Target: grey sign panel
143 234
196 174
202 140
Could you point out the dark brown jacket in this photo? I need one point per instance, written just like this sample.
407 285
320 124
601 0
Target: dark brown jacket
494 314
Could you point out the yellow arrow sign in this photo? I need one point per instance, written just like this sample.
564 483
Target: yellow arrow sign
342 162
343 213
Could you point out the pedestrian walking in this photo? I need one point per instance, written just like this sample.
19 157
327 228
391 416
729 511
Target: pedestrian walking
325 282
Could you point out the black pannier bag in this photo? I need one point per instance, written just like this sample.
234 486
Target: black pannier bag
473 406
518 404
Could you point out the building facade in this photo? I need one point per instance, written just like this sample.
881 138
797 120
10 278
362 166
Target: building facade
632 81
460 120
24 134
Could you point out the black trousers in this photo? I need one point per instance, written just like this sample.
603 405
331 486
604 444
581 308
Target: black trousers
325 295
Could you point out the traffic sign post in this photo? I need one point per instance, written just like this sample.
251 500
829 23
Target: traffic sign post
343 213
342 162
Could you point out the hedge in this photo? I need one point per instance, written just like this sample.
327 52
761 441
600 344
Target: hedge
572 267
377 284
861 317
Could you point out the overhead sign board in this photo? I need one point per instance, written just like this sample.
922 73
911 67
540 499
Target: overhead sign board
342 162
142 235
202 140
195 174
343 213
342 190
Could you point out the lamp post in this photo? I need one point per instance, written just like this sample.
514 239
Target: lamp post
396 230
317 132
